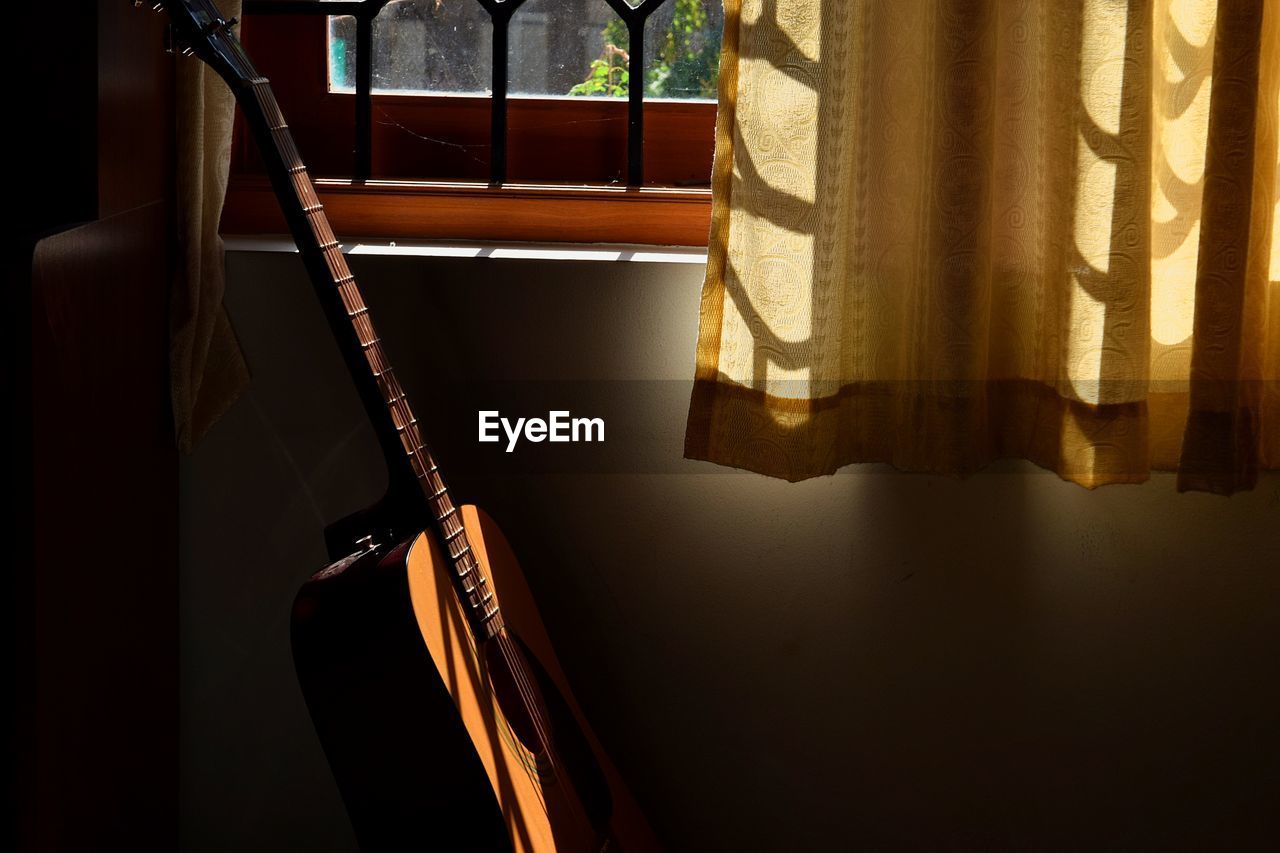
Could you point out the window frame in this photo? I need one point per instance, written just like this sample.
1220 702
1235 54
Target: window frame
558 187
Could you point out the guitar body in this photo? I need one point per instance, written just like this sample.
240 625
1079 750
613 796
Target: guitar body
414 729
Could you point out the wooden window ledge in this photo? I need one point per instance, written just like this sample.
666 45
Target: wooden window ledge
467 211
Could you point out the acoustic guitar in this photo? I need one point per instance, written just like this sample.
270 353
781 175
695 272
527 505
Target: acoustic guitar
433 685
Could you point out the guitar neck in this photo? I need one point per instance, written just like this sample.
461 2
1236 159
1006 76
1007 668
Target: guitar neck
407 454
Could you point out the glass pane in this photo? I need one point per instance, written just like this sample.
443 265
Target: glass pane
557 48
418 46
342 52
555 43
682 49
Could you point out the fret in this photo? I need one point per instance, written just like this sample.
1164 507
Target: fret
488 596
288 149
489 614
414 462
364 328
403 419
302 187
394 384
452 511
449 537
466 549
347 289
338 268
297 170
320 227
361 310
469 570
373 356
438 494
267 100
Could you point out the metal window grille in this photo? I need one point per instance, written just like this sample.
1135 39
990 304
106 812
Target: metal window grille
500 14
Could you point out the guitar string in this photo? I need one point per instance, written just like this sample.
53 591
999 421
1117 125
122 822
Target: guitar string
397 402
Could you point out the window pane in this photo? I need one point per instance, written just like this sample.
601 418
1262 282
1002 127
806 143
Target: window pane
557 48
342 52
418 46
682 49
555 42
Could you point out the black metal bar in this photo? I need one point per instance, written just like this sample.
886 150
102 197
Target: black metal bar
500 14
635 19
363 165
635 103
498 101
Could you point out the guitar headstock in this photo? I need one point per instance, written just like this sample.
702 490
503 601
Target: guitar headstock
199 28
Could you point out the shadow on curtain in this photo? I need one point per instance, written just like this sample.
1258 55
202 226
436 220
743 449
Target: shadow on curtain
951 232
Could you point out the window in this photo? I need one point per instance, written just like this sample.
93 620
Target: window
430 138
556 48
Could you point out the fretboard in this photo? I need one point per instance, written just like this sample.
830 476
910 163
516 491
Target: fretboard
366 358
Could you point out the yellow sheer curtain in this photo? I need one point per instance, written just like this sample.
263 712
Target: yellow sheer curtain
947 231
207 371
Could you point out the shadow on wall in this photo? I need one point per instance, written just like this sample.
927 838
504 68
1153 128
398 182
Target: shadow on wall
870 660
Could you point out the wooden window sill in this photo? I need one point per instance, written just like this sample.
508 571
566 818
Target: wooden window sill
472 211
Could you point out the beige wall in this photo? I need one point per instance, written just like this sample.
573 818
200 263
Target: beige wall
871 660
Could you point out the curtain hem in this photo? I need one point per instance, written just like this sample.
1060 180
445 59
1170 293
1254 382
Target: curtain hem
925 428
